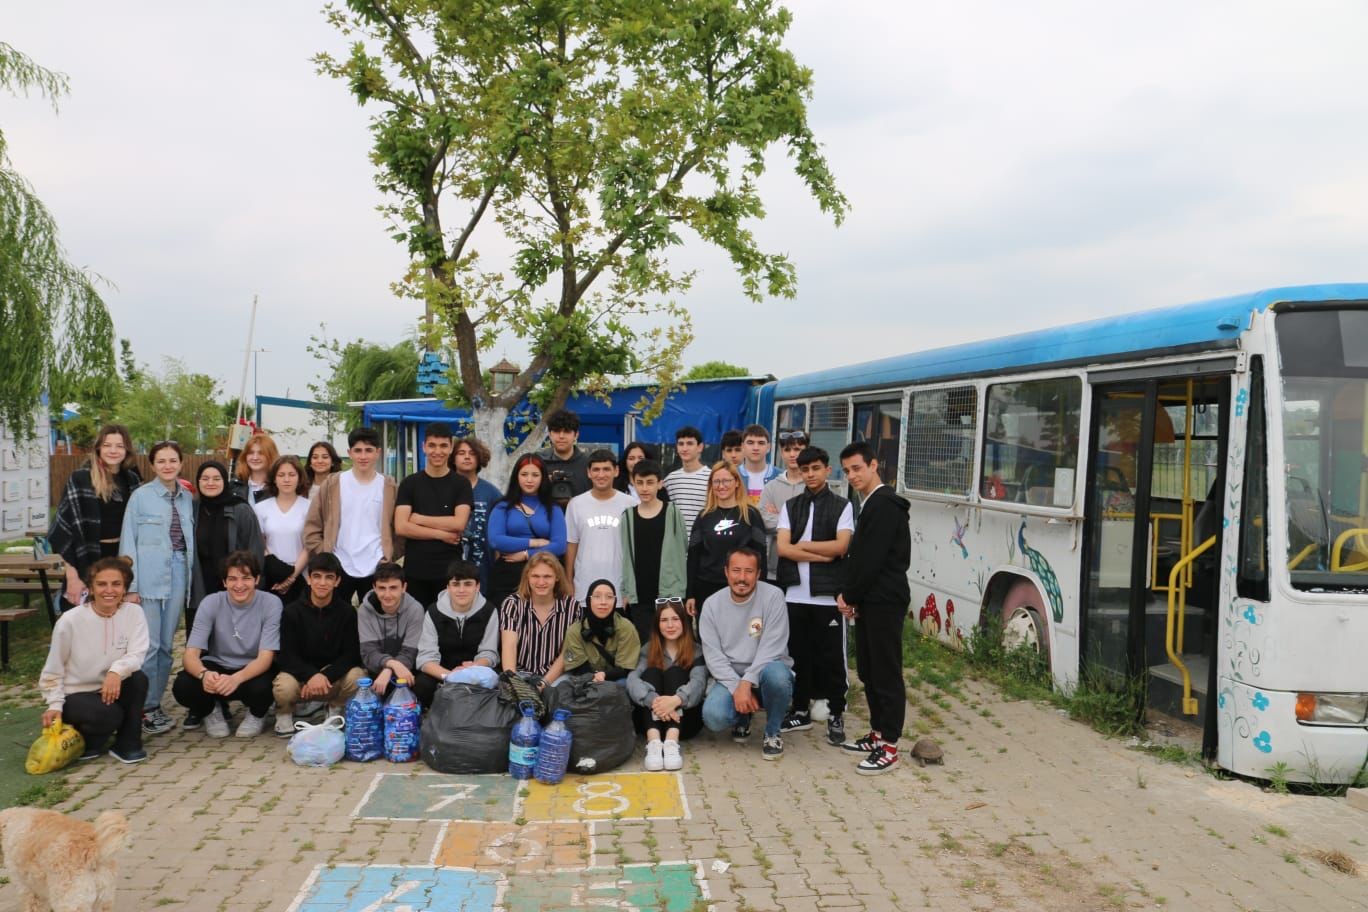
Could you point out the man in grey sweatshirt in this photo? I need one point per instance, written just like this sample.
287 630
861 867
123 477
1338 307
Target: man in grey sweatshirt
744 629
389 624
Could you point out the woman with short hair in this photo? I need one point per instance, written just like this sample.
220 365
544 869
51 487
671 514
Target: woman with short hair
93 678
89 517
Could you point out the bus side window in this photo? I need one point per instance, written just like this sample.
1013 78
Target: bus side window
1252 581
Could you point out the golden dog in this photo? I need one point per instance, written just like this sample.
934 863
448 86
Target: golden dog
61 863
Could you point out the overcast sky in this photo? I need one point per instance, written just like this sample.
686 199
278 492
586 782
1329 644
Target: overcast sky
1010 166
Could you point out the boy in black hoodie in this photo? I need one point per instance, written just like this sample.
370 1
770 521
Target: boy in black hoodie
876 593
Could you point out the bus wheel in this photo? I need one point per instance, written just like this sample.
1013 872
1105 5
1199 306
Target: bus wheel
1021 619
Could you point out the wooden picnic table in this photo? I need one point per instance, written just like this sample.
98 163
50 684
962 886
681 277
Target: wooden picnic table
23 574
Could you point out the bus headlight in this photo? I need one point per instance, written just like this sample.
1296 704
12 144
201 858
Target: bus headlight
1332 708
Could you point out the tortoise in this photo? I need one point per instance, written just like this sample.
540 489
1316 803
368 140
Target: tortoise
927 751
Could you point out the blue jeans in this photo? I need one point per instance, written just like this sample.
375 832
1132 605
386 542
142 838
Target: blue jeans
775 693
163 616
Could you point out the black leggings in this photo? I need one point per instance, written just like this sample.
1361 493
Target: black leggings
666 682
96 720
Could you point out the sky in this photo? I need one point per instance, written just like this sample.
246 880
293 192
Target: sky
1009 166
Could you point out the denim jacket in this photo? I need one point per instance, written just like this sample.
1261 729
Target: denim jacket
146 537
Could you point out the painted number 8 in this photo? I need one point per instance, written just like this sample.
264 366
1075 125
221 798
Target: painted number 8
597 793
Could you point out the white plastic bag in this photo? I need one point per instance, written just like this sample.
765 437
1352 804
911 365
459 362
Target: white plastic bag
318 745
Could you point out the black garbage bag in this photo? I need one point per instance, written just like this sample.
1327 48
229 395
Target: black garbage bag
600 719
467 730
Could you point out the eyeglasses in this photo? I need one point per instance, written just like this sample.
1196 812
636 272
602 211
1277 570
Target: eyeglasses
718 480
792 436
671 600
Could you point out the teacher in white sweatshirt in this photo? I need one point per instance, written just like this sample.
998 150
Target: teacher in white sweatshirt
93 677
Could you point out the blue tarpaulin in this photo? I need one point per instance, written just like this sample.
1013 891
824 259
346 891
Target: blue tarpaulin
712 406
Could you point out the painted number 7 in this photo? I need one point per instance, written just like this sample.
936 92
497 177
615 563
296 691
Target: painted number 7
459 792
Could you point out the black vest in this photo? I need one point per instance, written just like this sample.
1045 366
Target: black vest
458 641
826 508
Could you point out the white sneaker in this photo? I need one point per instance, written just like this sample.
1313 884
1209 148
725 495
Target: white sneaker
821 711
674 760
284 725
655 757
251 726
215 725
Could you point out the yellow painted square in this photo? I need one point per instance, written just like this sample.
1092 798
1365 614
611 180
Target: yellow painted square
624 796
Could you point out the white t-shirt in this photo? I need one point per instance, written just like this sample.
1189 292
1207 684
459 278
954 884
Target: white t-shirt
283 531
595 527
799 594
359 546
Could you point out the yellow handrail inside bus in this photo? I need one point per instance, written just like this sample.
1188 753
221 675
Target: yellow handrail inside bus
1302 555
1336 553
1173 634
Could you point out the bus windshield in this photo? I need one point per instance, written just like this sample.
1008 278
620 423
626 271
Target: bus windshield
1325 436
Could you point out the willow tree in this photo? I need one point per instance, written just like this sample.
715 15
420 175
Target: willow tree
55 332
541 159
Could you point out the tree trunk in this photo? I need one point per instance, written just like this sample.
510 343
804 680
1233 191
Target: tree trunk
489 428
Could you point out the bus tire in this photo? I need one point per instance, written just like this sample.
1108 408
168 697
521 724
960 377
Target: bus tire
1022 620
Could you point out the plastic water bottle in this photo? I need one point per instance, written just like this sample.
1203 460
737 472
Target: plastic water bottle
365 738
401 724
522 744
553 755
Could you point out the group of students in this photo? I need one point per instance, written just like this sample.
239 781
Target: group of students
584 565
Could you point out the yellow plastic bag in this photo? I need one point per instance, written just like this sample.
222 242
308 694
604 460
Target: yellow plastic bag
56 747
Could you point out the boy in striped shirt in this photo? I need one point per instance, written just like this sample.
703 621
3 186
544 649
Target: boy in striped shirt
688 484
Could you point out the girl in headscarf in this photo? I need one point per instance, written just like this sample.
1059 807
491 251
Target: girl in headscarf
224 523
604 643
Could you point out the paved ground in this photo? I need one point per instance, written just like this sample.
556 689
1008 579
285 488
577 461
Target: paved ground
1029 812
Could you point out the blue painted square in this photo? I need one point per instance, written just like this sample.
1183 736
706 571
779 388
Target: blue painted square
355 888
404 796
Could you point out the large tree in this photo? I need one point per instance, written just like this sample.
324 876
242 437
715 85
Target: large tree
541 159
57 334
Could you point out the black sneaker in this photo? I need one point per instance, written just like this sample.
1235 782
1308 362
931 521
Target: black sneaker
136 755
880 760
795 722
836 730
863 745
773 748
156 722
192 722
741 730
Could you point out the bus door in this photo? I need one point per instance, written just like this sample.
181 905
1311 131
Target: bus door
1154 501
879 423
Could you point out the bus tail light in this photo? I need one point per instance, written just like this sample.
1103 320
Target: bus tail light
1332 708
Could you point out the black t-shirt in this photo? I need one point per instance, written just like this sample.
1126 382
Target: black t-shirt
649 540
111 517
427 558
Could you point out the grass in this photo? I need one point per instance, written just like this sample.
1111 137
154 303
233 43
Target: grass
1109 703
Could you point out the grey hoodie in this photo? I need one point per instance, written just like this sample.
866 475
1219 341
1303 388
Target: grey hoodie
428 650
776 493
739 640
389 636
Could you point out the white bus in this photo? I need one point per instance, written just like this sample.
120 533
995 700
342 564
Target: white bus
1179 495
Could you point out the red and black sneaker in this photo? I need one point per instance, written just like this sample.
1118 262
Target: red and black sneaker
880 760
869 742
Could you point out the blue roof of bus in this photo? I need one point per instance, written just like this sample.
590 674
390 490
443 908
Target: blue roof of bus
1186 325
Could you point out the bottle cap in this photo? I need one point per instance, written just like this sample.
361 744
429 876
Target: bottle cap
561 715
364 682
